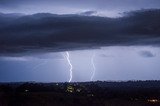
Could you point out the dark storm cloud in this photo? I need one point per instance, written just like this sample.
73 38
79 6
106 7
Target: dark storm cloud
45 32
147 54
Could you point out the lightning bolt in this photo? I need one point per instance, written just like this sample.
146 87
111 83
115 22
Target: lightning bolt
69 62
38 65
94 68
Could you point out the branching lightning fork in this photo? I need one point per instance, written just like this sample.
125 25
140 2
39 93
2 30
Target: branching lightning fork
67 56
94 68
69 62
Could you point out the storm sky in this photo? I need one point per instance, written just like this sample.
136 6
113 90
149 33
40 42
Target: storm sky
103 7
123 36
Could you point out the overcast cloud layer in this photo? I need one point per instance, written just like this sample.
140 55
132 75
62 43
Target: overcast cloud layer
103 7
50 32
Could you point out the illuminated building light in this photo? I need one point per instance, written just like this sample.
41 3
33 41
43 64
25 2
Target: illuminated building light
70 89
153 100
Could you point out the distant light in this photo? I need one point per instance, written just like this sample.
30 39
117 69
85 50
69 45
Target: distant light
78 90
26 90
70 89
90 95
153 100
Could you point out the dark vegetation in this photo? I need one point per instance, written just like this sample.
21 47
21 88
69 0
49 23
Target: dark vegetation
131 93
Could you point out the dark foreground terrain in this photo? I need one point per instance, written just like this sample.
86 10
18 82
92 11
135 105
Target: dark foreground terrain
131 93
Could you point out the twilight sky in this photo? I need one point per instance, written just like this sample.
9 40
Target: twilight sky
110 8
41 40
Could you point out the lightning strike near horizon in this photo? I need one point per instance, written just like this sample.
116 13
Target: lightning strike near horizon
71 67
94 68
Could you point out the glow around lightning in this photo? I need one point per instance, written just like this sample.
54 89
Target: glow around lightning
94 68
71 67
